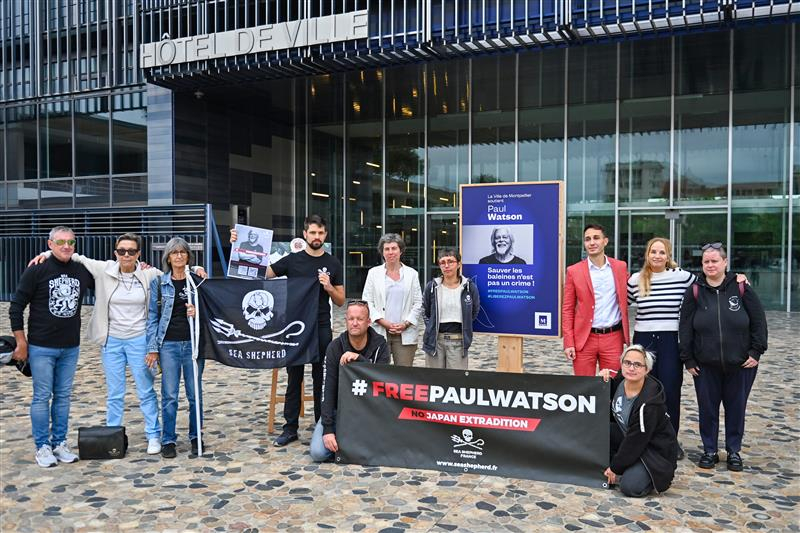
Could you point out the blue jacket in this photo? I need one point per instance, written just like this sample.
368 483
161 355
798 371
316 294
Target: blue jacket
158 319
470 305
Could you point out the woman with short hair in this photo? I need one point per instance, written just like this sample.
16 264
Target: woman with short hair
393 293
168 340
643 445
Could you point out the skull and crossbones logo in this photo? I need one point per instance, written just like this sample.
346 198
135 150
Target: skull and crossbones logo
257 308
467 440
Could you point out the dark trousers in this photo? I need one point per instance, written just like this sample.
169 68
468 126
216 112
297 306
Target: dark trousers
635 481
732 389
291 409
667 368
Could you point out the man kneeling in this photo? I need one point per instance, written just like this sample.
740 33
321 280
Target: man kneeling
359 343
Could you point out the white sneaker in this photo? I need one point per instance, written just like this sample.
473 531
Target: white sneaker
154 446
63 454
45 457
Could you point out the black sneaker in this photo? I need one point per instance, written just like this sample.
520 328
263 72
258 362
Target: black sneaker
708 460
168 451
285 438
735 462
194 446
681 452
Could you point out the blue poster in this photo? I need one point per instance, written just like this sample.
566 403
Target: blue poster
510 247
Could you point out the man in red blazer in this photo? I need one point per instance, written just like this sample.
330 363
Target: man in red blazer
595 309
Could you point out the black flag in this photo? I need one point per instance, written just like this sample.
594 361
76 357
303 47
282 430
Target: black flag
259 324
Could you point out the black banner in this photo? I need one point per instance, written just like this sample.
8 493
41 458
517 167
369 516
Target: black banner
549 428
259 324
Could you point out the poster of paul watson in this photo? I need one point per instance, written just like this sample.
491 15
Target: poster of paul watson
250 253
549 428
259 324
511 248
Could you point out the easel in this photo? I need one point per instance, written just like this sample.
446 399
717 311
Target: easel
509 353
275 399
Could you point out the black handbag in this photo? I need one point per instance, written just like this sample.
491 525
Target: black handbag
102 442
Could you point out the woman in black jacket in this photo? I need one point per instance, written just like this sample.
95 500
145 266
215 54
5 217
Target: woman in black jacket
723 332
644 448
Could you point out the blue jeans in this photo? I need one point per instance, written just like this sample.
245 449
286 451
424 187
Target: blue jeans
668 368
52 371
176 358
117 353
317 450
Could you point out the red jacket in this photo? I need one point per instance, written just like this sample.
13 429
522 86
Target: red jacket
577 311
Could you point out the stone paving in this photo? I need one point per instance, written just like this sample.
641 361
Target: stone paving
246 484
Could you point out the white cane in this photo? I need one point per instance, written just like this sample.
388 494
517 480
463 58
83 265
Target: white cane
194 327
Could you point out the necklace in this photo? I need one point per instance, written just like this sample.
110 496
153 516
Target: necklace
128 286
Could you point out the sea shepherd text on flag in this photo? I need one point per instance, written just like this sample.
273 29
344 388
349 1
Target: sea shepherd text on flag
259 324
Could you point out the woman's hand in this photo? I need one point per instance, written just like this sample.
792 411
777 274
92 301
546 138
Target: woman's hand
750 363
234 236
38 260
201 272
694 371
606 374
151 359
611 476
190 310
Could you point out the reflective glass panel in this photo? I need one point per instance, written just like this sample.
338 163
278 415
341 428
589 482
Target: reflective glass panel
448 132
325 153
129 130
405 160
363 181
130 190
92 192
645 90
442 233
694 230
493 91
541 115
23 194
91 136
2 146
759 250
21 143
55 136
591 124
635 229
56 193
701 117
761 111
575 224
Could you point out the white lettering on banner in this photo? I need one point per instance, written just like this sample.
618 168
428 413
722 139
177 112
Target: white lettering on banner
266 38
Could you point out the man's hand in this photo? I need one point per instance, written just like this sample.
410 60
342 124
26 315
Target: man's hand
325 281
694 371
348 357
330 443
750 363
20 352
234 236
38 260
569 353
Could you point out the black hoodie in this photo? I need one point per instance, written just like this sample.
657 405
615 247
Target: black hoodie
721 327
374 352
649 436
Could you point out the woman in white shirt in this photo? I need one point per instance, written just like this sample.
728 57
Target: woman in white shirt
394 296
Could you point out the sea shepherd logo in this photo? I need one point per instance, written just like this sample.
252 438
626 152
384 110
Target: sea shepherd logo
466 446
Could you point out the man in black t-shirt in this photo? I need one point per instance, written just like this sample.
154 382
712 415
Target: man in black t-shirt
54 290
311 262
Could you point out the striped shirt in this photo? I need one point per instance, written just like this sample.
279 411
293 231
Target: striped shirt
660 310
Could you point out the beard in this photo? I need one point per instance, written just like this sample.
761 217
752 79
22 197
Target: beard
315 245
502 249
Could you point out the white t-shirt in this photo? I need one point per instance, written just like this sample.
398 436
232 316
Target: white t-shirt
127 312
450 308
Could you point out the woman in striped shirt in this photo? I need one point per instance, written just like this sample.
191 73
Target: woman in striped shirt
657 290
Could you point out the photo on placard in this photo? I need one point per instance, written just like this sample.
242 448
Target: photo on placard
250 253
497 244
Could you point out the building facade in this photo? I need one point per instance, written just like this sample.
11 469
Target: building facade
661 119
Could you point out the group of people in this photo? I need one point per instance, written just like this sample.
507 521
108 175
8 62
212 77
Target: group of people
712 323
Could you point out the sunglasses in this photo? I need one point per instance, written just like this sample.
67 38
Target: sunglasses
126 251
62 242
357 302
713 245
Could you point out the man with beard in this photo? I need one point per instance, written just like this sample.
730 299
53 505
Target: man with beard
503 249
313 261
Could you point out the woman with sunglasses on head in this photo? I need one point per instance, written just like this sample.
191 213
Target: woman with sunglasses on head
450 304
393 293
643 444
723 333
657 291
168 340
118 325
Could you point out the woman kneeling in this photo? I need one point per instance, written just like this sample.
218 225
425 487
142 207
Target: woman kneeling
644 448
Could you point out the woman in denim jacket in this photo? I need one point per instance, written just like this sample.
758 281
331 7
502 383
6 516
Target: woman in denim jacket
449 306
168 340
